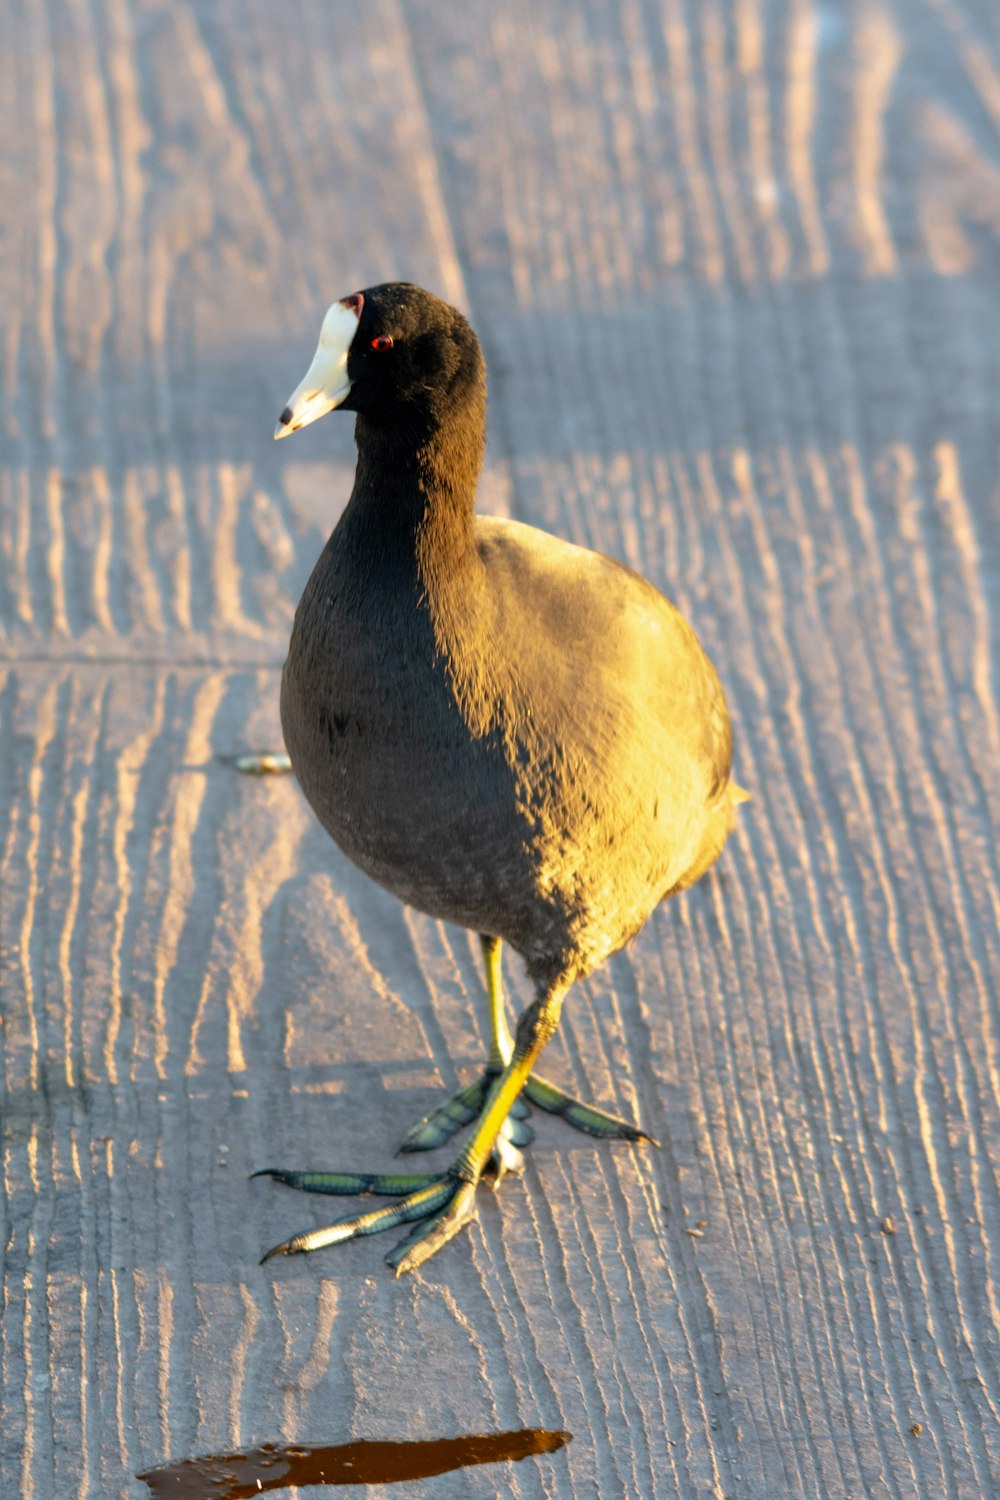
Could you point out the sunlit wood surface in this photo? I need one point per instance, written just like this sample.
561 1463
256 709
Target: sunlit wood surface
736 267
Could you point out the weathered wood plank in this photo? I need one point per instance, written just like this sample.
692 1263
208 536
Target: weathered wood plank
735 268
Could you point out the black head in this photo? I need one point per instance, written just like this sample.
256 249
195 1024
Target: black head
391 353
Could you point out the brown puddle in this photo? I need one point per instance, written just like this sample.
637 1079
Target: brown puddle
239 1476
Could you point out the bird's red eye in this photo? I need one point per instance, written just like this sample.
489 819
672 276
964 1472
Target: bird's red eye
382 342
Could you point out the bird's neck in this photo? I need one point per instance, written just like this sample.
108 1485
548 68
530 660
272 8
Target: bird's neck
415 492
406 549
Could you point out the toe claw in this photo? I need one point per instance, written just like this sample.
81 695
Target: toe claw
402 1247
287 1247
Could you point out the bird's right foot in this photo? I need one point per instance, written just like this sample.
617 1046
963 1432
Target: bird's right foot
585 1117
438 1127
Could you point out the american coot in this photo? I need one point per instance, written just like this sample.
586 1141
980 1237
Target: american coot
504 730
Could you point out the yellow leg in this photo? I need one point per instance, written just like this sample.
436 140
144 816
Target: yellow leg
501 1041
438 1127
445 1202
536 1027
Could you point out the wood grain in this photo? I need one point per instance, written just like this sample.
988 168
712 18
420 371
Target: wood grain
736 269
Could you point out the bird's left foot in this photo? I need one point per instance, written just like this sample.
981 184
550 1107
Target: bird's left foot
441 1205
442 1123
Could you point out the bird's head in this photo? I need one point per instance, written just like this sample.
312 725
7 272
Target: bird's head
391 353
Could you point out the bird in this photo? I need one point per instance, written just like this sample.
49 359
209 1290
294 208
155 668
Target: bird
507 731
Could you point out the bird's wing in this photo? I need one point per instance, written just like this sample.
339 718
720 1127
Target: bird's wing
616 660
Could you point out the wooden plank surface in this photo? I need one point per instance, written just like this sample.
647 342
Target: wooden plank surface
736 267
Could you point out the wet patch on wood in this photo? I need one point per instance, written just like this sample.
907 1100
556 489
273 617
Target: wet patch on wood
237 1476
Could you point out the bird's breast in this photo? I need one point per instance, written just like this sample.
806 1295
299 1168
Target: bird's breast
385 759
